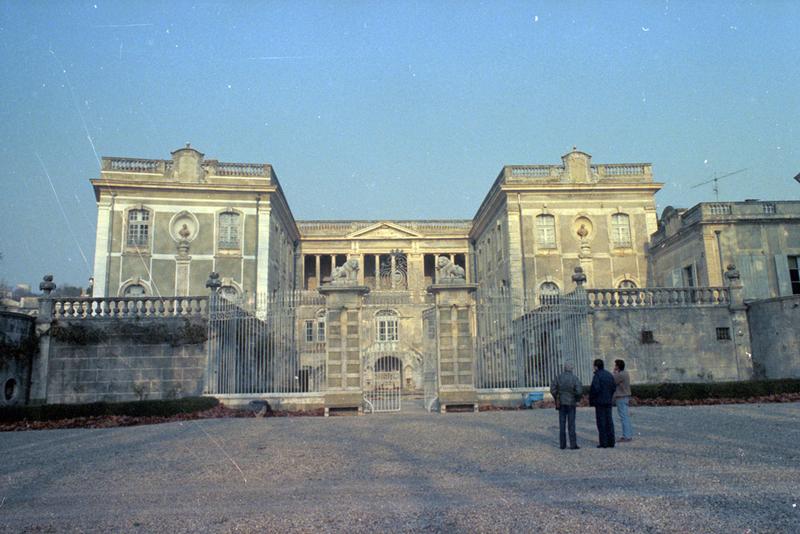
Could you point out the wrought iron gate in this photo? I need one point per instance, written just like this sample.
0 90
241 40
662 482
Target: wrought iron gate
524 344
253 347
384 387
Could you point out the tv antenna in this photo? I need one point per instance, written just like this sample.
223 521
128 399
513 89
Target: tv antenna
716 180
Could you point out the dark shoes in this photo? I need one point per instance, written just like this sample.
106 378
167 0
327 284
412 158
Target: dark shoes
575 448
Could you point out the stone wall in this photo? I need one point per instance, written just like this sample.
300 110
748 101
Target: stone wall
125 359
683 347
775 336
16 350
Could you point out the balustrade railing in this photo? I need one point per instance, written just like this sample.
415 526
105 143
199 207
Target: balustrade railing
652 297
622 169
128 307
242 169
133 165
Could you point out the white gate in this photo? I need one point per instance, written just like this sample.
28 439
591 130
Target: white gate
383 388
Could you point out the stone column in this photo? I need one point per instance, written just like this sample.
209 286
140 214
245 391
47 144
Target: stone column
41 361
740 330
455 310
317 271
343 303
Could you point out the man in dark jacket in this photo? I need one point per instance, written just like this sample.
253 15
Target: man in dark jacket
601 397
566 391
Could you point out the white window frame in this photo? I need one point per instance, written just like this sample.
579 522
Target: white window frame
139 224
621 230
229 236
546 232
387 326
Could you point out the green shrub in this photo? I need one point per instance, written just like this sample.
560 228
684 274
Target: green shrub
158 408
716 390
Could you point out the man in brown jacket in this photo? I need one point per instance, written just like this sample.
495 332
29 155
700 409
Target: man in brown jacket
566 391
622 395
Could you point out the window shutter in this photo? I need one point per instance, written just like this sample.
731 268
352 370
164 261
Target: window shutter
782 270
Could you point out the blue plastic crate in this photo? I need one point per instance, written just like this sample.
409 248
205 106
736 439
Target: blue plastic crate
533 396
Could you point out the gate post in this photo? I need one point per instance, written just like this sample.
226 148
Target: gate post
343 302
40 363
741 329
455 320
583 329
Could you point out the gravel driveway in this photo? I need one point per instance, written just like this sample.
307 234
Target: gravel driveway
724 469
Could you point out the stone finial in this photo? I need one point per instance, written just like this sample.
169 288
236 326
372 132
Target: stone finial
732 274
47 285
345 275
449 272
579 277
213 283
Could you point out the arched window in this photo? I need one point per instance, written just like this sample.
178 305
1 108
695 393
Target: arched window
627 284
546 231
549 288
386 326
135 290
138 227
228 292
229 230
620 230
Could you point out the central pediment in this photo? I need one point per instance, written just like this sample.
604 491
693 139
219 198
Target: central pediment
384 230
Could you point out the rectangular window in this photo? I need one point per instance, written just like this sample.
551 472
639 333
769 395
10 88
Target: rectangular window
723 334
309 331
138 227
769 207
621 230
546 231
229 230
794 274
321 329
647 337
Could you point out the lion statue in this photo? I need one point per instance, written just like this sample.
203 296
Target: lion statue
346 273
449 271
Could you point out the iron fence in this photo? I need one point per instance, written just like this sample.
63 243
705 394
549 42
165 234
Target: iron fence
253 347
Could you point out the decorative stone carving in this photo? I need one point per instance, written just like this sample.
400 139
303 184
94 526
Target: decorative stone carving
579 277
213 283
47 285
345 275
449 272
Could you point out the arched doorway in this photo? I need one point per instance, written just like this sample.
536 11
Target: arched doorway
386 386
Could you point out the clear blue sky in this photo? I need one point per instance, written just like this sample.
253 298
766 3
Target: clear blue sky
381 110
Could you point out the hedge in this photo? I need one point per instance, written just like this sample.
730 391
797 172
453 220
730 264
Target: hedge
716 390
145 408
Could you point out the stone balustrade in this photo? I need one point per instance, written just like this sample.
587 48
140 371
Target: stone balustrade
128 307
654 297
242 169
133 165
620 169
164 167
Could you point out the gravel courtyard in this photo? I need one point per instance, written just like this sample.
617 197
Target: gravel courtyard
724 469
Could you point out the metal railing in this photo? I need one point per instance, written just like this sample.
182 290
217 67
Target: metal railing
253 347
528 350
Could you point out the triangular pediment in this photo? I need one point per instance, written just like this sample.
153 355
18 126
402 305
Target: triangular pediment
384 230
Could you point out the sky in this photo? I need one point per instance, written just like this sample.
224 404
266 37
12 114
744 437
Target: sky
385 109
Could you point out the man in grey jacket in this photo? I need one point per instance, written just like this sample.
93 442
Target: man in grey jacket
566 391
